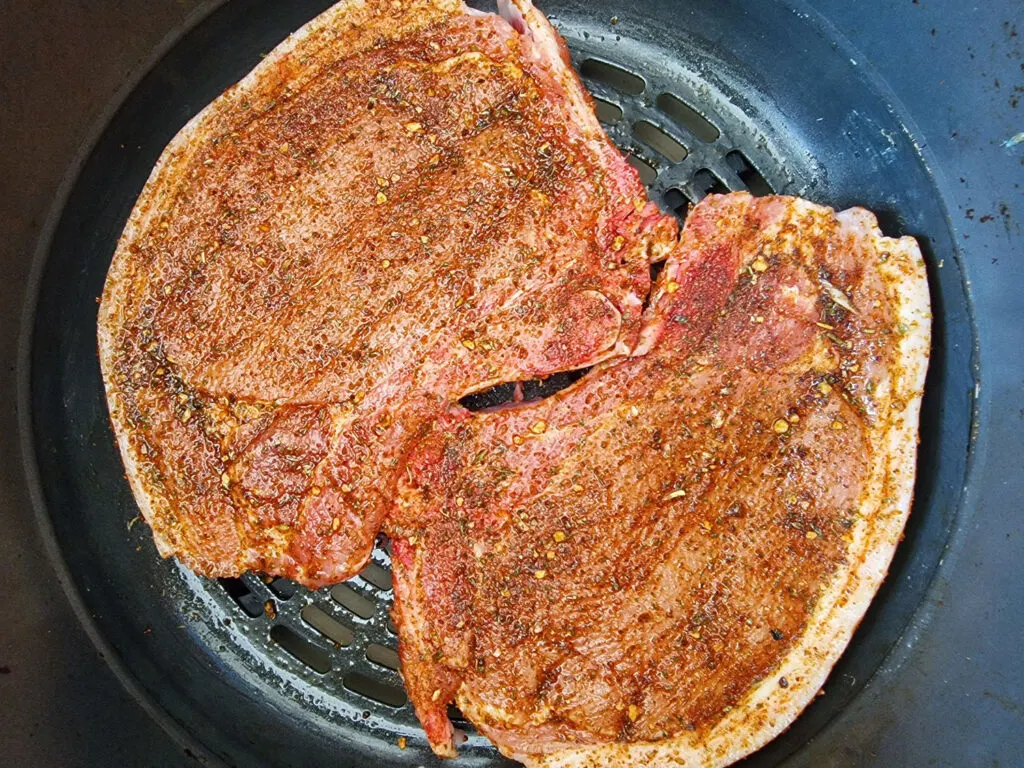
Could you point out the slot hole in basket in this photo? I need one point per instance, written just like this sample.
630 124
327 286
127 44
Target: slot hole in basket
749 175
313 656
658 140
244 597
383 693
382 656
706 183
606 111
686 116
377 575
352 601
646 171
327 626
613 76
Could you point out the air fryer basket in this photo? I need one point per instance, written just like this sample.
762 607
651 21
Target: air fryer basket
705 96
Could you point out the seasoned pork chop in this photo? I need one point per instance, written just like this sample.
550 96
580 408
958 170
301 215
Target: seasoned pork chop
408 202
402 204
660 564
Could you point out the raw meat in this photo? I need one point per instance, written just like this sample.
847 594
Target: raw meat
402 204
662 562
408 202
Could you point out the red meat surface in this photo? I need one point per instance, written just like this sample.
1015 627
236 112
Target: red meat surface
360 233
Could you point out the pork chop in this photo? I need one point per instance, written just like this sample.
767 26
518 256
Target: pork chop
407 202
404 203
660 564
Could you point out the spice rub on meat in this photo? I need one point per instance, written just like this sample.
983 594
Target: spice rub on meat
402 204
662 562
408 202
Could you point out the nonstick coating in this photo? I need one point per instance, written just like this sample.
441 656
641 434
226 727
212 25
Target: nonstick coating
814 123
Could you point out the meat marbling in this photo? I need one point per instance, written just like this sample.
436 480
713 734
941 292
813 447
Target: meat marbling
402 204
662 562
